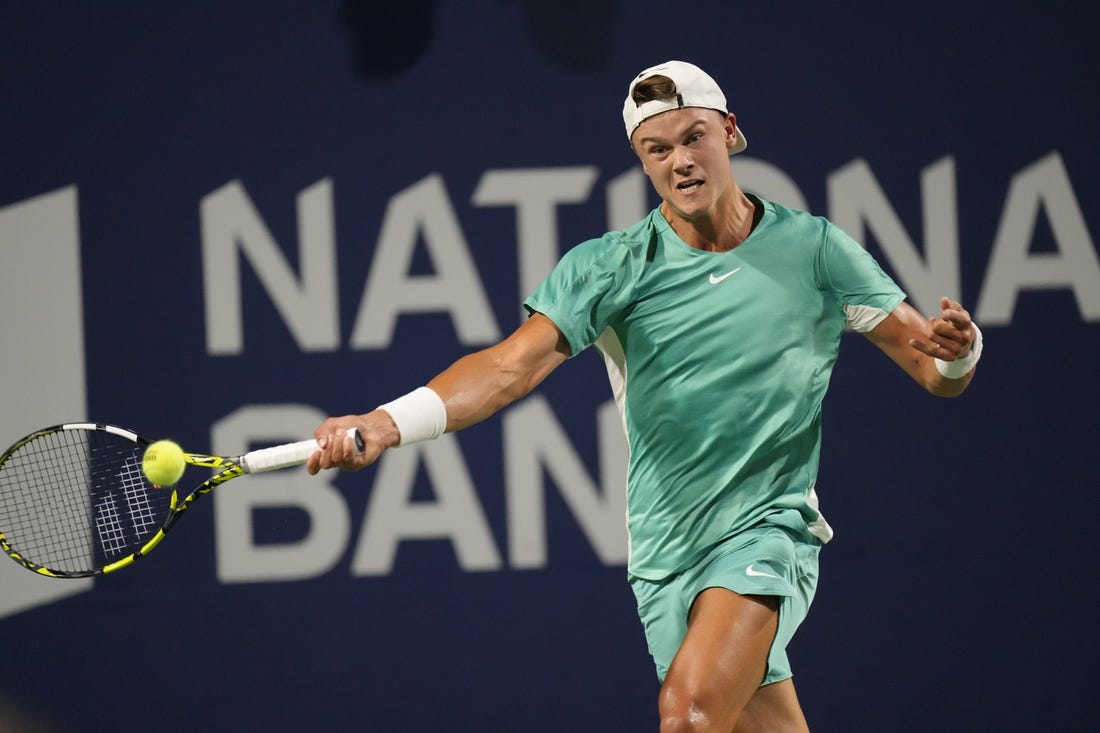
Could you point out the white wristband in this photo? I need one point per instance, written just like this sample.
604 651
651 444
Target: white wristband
961 367
419 415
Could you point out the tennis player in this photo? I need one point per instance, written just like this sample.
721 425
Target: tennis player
719 316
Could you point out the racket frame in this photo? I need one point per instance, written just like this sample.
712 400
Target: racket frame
257 461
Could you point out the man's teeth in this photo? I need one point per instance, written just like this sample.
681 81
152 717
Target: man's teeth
690 186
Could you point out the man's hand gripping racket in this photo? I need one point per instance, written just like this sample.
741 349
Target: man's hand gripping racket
74 501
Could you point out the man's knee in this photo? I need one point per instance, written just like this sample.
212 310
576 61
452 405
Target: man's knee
683 711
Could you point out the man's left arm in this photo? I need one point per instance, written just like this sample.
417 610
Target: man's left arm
939 353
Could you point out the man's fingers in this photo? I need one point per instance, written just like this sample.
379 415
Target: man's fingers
947 337
959 319
925 347
946 332
338 447
954 313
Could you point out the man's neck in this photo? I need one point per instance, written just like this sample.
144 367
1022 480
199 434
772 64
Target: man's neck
723 229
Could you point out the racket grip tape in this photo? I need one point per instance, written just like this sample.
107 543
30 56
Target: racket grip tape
289 454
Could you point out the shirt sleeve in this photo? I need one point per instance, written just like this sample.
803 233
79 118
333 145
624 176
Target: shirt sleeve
855 280
586 291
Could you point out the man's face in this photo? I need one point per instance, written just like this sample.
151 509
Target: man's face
685 153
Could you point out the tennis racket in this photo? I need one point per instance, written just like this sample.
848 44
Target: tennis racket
74 501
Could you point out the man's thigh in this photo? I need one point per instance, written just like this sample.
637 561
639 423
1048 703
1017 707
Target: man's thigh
761 562
722 660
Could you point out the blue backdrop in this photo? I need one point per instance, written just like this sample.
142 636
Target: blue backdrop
221 222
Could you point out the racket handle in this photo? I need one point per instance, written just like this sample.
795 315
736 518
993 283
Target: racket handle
288 454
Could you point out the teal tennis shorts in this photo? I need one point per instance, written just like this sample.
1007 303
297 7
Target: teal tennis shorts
766 560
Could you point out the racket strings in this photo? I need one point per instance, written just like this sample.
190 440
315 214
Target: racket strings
37 508
75 500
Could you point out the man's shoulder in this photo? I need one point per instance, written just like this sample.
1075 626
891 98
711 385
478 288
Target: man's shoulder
789 215
794 227
635 239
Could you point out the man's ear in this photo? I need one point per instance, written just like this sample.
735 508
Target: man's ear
640 159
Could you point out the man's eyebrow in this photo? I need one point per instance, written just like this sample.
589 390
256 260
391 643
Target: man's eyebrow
687 129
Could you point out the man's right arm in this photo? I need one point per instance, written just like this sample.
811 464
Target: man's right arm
472 389
478 385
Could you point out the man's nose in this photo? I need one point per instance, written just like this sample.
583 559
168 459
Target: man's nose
681 158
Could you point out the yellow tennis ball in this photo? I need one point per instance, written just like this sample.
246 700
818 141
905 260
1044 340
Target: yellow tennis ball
163 463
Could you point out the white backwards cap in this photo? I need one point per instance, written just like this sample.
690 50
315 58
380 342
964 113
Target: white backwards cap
694 88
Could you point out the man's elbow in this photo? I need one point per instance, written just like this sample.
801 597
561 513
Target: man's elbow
941 386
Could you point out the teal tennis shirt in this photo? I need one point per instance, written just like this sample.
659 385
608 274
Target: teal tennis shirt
719 362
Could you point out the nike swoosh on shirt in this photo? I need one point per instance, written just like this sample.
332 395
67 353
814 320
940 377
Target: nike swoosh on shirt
757 574
715 279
